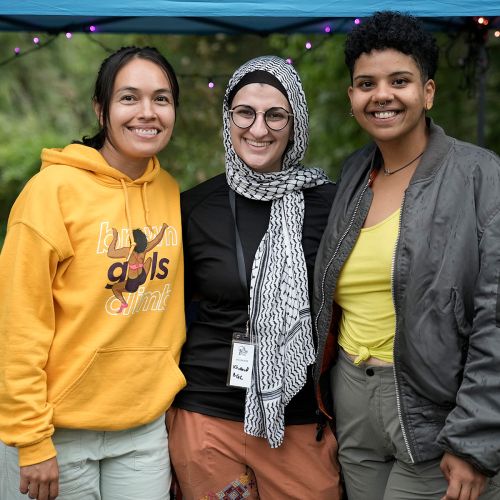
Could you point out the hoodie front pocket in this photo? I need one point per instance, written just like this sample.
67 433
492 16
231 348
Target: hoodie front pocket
120 388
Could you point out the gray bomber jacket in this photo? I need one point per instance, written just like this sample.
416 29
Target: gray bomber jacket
446 292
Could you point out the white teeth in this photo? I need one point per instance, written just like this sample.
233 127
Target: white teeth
258 144
384 114
145 131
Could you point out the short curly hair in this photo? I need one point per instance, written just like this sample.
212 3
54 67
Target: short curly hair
393 30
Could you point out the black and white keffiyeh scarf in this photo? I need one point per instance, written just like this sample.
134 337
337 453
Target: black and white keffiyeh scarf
279 313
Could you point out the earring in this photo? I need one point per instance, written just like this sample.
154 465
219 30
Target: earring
351 114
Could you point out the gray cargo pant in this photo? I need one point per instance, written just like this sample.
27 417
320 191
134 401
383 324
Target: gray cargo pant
372 453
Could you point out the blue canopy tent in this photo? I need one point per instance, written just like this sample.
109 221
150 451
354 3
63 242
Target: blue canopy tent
261 17
228 16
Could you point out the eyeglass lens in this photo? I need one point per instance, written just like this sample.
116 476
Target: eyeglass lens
244 116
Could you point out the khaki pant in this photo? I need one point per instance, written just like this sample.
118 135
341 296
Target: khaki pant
372 453
120 465
213 458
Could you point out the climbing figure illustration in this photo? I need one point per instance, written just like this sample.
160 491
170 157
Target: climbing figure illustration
137 265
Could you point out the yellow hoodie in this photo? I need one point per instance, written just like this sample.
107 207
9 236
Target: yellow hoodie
69 356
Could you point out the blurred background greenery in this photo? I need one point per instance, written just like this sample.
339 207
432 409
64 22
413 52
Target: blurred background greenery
45 98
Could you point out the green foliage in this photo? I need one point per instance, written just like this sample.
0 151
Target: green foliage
333 134
45 99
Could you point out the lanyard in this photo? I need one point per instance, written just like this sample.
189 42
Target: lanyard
242 273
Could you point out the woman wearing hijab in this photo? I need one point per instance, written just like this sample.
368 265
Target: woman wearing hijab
247 422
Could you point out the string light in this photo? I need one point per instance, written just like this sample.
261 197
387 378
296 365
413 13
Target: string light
38 44
93 29
483 21
211 84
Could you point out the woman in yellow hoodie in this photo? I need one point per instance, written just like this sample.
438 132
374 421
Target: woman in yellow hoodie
85 381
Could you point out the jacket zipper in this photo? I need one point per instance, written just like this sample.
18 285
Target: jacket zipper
398 400
351 222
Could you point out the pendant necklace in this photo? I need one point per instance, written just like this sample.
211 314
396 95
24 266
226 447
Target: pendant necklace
390 172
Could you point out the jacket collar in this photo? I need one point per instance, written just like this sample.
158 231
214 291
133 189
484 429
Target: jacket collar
437 148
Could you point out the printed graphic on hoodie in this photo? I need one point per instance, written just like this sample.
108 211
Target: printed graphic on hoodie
127 277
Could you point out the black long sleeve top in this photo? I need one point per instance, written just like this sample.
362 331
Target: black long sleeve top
221 302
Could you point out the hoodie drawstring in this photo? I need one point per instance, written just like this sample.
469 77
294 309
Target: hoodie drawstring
128 216
129 219
145 203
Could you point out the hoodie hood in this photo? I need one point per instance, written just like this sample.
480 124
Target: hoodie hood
91 160
87 158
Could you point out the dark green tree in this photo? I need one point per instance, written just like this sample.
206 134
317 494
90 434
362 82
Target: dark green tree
45 97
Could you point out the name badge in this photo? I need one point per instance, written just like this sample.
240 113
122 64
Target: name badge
241 364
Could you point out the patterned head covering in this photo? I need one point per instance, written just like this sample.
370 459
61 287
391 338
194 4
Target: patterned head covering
279 313
274 183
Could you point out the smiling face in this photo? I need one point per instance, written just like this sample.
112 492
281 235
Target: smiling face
141 116
389 98
258 146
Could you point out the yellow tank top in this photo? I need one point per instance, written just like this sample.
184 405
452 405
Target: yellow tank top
364 293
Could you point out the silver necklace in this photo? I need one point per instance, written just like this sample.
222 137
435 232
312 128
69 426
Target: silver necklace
390 172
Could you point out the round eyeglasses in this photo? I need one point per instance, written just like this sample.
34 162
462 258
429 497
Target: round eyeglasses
244 116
